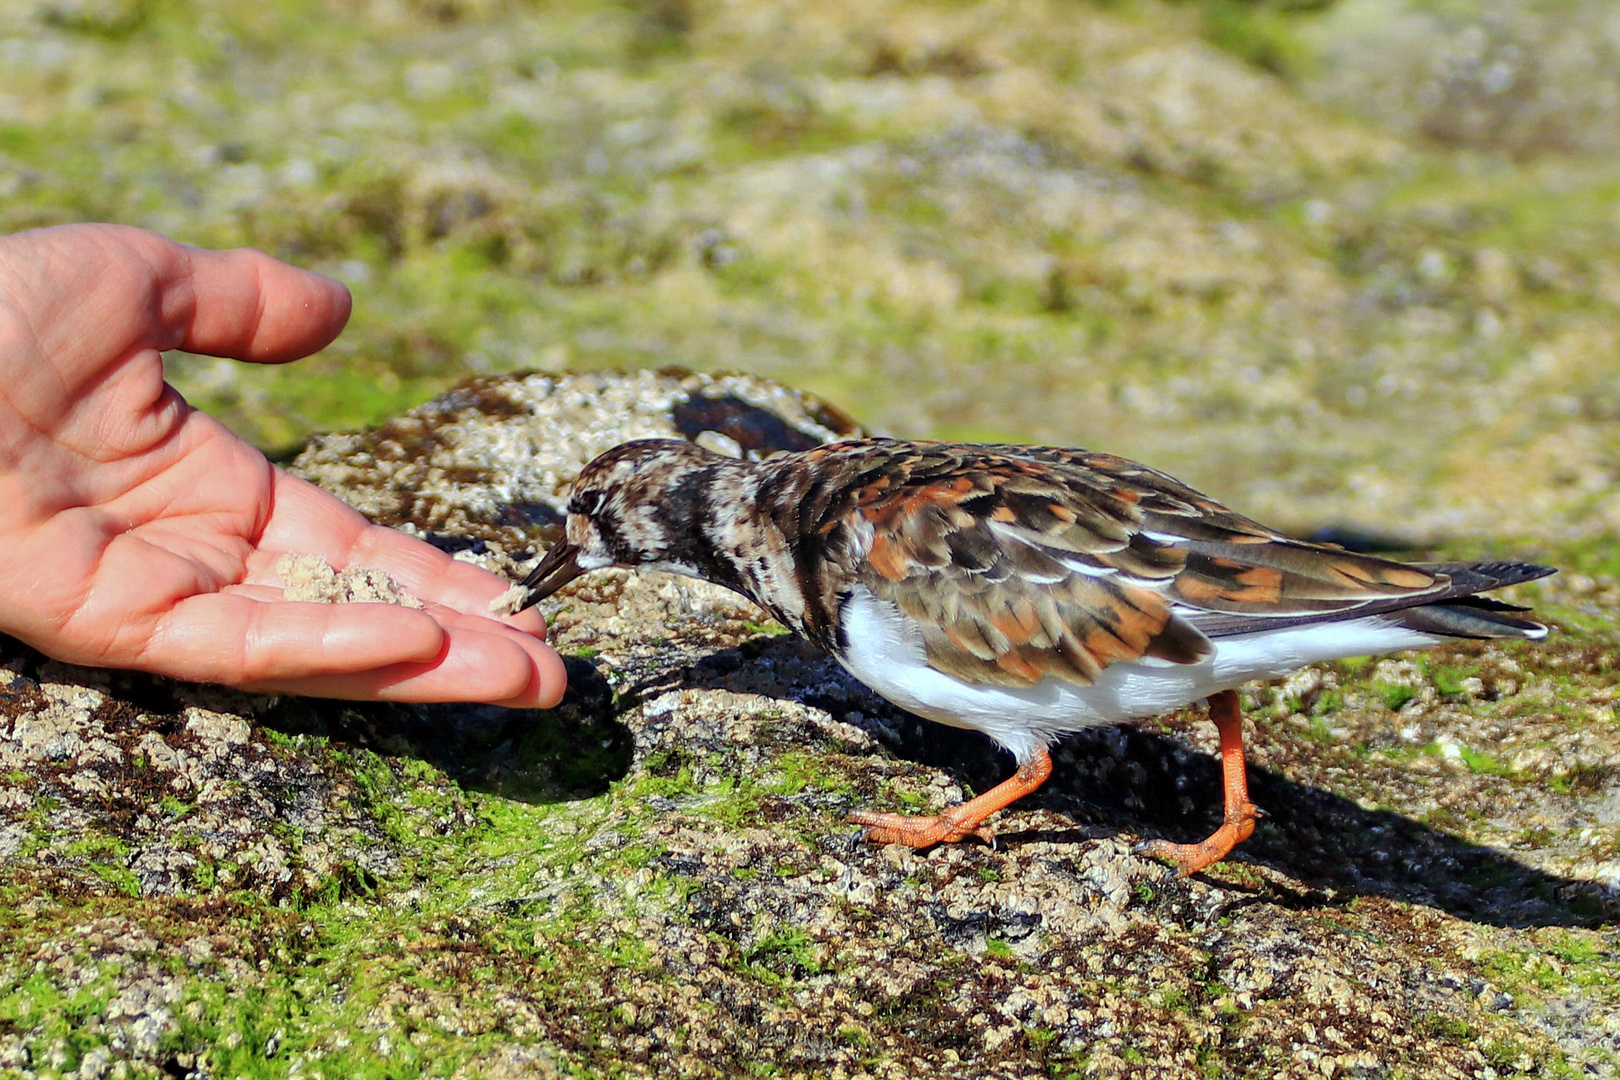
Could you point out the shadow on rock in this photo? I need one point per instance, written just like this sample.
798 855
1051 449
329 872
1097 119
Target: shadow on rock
1319 838
574 751
1125 779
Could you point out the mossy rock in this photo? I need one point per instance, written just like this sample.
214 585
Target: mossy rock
655 878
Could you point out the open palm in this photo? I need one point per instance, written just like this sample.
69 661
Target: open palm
137 532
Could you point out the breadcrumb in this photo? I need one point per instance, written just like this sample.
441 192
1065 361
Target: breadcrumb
310 579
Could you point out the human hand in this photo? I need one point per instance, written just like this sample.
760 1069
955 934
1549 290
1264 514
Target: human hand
136 532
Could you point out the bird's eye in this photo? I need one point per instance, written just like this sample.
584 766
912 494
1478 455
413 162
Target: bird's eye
588 503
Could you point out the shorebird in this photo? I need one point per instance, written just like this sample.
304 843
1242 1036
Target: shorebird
1021 591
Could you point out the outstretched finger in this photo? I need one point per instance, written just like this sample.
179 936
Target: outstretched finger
495 668
233 639
247 305
355 651
142 290
476 677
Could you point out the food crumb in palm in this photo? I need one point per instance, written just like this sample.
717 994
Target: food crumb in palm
311 579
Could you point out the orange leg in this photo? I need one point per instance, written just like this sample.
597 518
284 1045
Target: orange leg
959 822
1241 814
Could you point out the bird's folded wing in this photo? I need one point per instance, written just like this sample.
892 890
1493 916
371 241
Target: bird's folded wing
1015 567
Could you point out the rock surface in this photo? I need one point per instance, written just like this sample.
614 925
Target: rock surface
655 879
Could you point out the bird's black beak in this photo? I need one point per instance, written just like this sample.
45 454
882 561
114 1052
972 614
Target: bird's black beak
558 568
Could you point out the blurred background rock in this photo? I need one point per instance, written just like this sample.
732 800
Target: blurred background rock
1351 262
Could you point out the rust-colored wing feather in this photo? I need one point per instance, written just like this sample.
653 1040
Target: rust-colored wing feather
1025 562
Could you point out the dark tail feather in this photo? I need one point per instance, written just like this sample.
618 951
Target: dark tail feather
1458 613
1468 578
1470 617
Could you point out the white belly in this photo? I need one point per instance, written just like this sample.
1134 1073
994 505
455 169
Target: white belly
886 653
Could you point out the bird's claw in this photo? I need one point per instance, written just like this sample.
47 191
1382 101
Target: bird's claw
917 832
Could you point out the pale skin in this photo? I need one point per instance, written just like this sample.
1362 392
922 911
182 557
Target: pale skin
137 532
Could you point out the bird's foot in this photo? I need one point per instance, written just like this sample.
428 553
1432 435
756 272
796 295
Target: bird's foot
1191 858
919 832
959 822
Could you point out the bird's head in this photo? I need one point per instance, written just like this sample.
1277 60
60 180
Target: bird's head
631 506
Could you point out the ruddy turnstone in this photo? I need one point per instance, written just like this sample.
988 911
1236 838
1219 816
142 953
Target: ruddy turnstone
1022 591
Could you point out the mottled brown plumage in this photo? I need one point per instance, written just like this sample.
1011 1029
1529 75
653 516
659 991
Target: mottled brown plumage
1013 571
